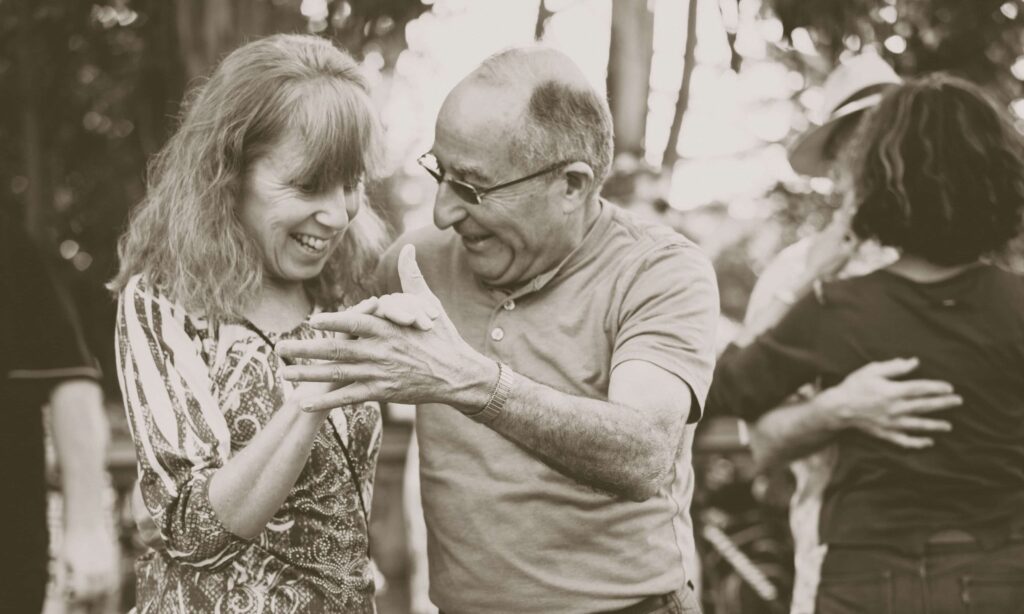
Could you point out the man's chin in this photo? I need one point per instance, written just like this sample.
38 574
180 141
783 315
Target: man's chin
487 270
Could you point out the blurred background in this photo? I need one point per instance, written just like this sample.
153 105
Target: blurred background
705 95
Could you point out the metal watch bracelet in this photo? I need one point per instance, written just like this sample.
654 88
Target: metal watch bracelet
499 396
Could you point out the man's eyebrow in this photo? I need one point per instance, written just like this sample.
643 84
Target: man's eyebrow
469 173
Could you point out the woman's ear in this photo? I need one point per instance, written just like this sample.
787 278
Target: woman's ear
579 178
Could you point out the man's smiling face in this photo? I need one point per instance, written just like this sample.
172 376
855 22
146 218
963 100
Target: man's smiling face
515 233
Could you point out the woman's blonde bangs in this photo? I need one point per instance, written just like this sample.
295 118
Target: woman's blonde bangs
340 134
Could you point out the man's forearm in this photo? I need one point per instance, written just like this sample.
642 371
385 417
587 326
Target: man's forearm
792 431
605 445
80 437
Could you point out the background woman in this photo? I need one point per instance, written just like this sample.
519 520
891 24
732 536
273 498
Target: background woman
255 217
939 174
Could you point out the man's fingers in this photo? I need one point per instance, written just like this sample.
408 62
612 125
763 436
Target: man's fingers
320 349
923 388
891 368
356 392
339 373
927 404
928 425
410 275
355 324
903 440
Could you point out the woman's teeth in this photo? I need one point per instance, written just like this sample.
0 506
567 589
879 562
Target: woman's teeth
312 243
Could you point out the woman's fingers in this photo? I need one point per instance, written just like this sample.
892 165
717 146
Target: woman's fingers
407 310
356 392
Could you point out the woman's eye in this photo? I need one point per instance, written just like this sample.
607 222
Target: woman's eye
306 189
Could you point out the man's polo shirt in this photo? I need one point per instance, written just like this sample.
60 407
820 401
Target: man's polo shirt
505 531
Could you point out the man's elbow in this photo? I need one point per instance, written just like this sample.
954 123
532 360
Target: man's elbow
641 491
651 479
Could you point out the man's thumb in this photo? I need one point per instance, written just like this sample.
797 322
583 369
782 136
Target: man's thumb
410 275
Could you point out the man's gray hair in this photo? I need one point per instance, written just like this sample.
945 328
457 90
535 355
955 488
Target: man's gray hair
565 119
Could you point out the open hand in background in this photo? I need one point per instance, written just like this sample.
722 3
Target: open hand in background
873 401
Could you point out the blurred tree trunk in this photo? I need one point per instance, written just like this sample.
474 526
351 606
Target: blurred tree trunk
162 80
629 73
37 197
683 100
209 29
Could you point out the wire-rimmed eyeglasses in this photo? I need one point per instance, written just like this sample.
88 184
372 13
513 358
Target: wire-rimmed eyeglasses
467 191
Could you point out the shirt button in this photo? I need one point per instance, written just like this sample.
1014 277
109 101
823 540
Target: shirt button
509 305
497 334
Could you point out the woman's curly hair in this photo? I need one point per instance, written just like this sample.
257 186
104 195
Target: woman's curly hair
186 235
938 171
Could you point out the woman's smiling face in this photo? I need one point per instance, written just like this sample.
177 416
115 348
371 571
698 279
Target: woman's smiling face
295 226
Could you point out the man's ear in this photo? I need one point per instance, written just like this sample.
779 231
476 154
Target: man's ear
579 178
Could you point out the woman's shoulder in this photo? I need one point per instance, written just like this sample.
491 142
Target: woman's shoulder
143 298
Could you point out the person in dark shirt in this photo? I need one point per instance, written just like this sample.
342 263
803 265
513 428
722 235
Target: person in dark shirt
43 359
938 173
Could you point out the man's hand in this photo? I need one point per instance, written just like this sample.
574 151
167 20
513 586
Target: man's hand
91 564
872 401
413 361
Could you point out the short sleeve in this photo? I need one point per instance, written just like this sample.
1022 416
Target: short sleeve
181 436
669 315
752 380
47 341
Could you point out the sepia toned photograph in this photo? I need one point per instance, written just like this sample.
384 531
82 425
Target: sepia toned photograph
512 306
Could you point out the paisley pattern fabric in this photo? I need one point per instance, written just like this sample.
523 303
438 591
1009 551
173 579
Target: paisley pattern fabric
196 392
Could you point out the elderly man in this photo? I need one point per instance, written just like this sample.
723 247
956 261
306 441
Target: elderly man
559 385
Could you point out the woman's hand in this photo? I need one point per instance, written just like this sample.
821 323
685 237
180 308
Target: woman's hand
831 248
401 308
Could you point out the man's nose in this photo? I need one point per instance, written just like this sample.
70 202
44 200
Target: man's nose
449 209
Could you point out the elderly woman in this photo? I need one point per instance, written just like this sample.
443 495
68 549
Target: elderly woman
939 174
255 218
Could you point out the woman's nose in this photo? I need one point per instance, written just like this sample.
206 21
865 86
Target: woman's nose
337 208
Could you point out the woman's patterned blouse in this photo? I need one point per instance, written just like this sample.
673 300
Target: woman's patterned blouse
196 392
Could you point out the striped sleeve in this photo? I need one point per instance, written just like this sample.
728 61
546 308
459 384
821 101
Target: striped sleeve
181 436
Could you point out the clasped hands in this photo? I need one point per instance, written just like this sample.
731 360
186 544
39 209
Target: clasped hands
399 348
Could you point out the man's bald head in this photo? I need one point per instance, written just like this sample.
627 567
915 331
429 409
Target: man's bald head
559 117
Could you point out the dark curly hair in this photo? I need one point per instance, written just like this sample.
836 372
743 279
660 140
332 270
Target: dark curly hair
938 171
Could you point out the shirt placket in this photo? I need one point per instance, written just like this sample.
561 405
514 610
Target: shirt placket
502 318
